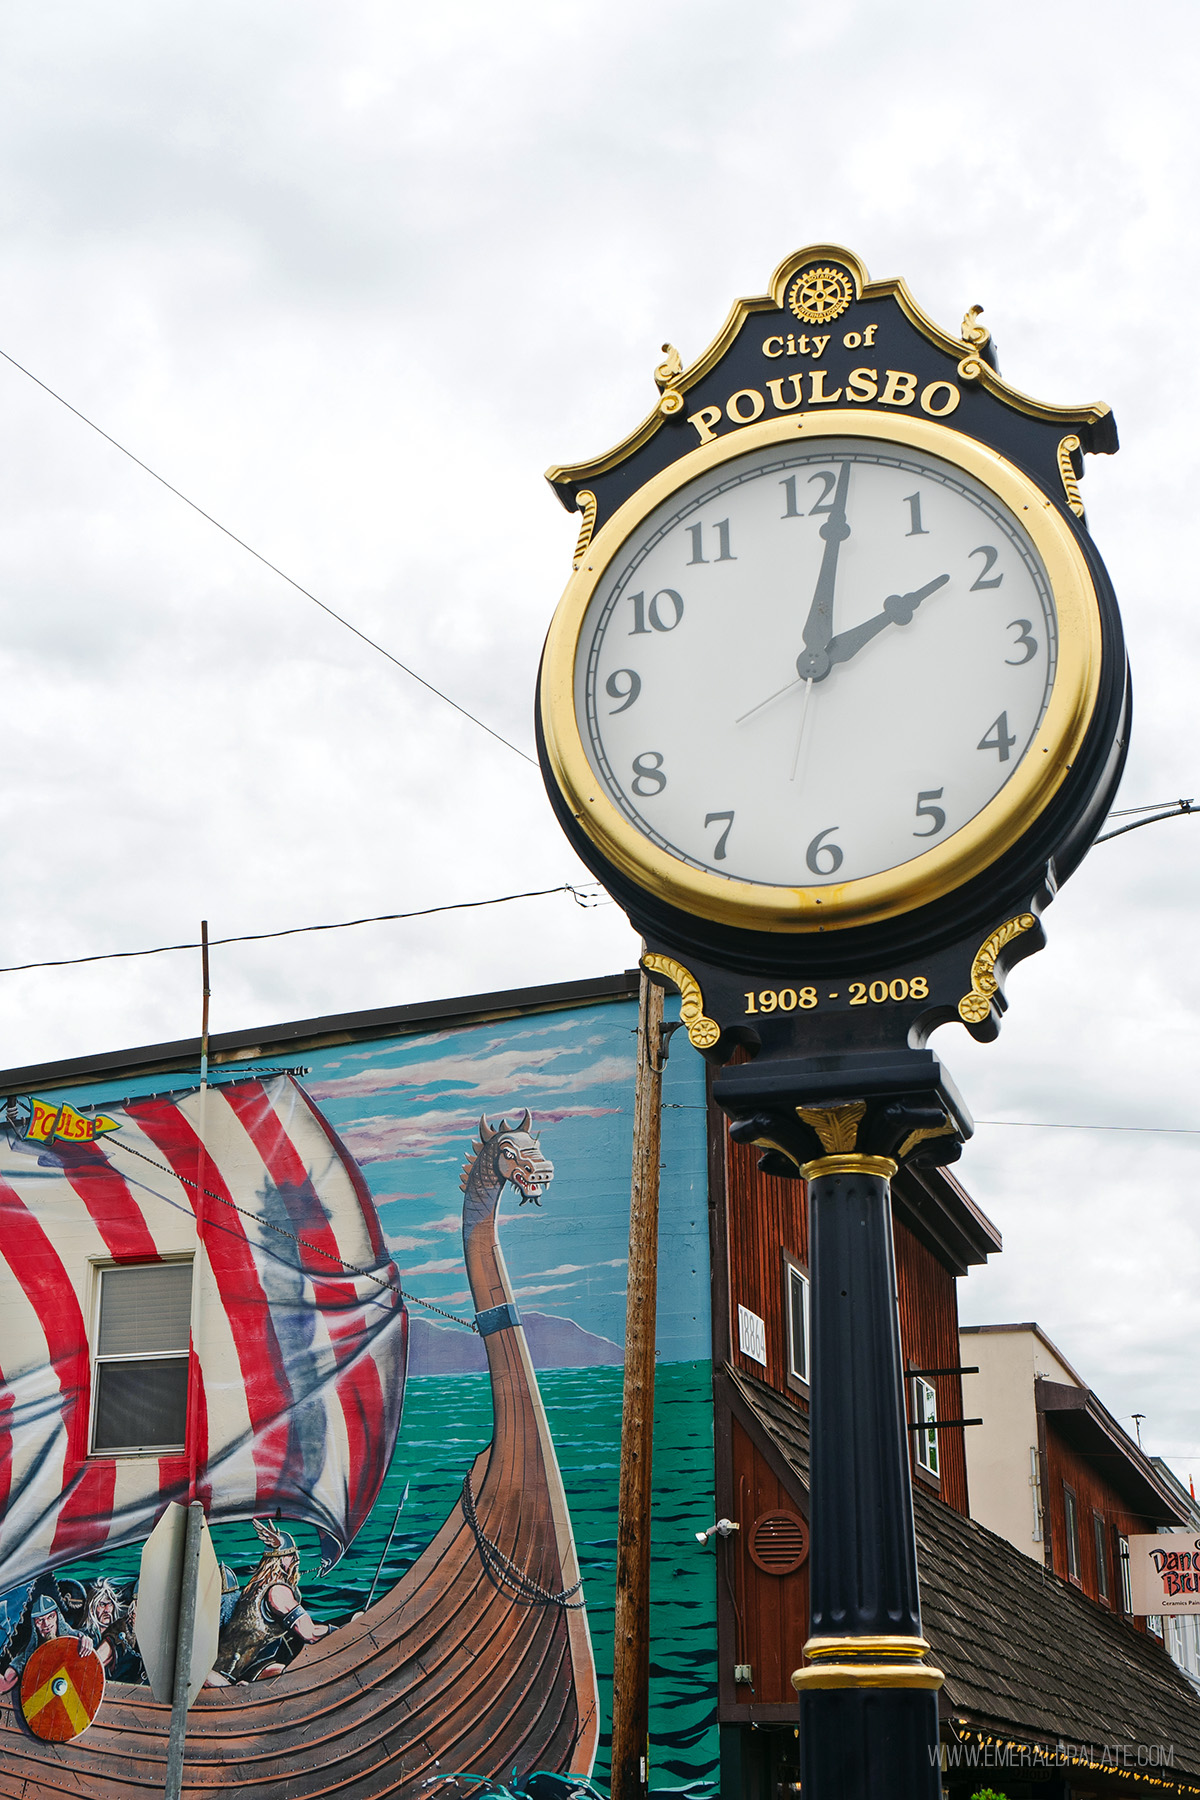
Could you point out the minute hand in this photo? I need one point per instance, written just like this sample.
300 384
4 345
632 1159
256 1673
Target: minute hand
898 609
819 623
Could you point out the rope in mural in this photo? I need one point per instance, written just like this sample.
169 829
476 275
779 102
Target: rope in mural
504 1571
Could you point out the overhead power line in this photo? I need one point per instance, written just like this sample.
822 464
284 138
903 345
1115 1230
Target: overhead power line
583 895
1175 809
266 562
1063 1125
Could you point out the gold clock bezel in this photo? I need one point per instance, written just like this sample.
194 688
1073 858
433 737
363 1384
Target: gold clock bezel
937 871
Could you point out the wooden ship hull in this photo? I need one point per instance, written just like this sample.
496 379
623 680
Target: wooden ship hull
479 1660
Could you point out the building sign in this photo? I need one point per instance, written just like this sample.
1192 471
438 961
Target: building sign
1164 1573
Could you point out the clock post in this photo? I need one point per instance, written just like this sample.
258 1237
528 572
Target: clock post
835 700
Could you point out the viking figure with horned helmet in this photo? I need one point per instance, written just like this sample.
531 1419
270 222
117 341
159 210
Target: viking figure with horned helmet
268 1611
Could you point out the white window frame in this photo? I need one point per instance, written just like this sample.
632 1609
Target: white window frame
1074 1546
925 1413
1100 1542
1123 1575
795 1276
97 1361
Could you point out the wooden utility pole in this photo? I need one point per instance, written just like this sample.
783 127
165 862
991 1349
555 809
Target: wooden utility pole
631 1636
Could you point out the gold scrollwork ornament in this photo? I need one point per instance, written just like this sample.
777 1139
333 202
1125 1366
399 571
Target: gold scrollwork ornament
587 506
702 1031
1066 469
974 1007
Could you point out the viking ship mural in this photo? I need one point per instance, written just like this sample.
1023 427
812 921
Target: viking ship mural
479 1660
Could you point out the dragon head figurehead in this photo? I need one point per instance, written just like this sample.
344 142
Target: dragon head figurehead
506 1152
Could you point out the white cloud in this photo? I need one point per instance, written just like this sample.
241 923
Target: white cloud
353 287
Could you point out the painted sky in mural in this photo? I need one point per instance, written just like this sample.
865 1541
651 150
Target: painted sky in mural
407 1108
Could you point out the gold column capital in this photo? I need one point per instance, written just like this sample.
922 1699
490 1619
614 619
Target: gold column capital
856 1162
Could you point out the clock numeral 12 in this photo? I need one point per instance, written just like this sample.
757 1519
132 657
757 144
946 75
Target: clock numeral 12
654 612
696 533
823 505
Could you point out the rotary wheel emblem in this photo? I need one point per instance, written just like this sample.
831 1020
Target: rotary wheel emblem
818 295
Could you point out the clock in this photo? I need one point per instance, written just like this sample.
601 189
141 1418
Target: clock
824 672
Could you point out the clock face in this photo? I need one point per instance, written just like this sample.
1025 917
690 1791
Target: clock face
818 661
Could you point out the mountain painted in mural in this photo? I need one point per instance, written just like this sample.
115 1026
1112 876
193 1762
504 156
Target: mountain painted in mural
553 1344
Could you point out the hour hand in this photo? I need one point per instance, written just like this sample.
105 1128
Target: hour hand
898 609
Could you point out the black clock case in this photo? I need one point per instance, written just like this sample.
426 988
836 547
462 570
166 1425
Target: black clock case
1056 842
961 943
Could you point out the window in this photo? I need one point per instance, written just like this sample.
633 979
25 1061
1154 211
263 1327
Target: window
140 1368
925 1413
1099 1535
1123 1568
1071 1509
797 1296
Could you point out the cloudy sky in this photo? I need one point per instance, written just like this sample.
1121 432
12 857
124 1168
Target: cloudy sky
351 278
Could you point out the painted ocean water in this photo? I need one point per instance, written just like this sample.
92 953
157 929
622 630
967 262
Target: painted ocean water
447 1421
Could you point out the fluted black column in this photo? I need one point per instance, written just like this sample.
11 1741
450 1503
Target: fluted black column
868 1703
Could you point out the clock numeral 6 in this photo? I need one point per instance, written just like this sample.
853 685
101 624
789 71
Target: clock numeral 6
816 850
664 612
626 695
648 768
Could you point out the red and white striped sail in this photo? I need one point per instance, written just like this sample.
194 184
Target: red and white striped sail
299 1327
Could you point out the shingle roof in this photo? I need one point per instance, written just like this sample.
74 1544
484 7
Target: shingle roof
1023 1652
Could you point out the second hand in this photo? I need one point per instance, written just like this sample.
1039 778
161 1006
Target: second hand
808 687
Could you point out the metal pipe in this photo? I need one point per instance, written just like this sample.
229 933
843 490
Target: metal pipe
183 1650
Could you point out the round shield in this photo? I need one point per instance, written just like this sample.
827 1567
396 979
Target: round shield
61 1690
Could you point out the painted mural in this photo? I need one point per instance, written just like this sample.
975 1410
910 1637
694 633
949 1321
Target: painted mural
404 1396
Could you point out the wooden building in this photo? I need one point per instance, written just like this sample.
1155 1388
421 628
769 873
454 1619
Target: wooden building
1052 1470
1052 1688
760 1273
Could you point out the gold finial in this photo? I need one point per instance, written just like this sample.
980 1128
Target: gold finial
666 375
978 337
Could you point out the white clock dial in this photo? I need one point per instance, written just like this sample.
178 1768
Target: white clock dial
816 662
